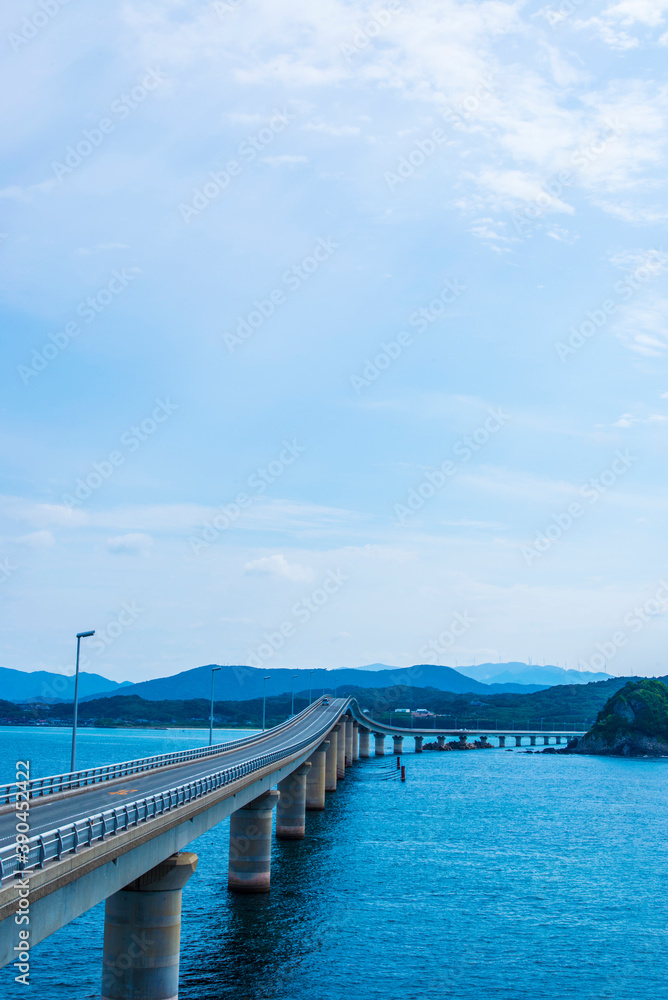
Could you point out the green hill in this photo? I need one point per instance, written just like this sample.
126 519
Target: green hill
633 722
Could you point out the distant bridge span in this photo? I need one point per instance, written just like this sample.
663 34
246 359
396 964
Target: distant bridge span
115 833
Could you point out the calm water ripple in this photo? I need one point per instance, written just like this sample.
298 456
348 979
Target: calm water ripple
485 873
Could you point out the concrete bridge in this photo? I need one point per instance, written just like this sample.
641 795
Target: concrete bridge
118 833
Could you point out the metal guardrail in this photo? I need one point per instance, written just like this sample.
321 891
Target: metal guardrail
68 839
38 787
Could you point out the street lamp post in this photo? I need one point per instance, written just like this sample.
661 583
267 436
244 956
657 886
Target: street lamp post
213 670
73 760
310 685
293 695
264 698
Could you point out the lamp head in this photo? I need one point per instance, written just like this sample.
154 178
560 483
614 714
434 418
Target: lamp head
84 635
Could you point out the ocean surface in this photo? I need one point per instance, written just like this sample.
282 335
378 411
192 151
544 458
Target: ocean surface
491 874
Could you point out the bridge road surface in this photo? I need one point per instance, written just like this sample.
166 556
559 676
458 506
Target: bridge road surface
94 799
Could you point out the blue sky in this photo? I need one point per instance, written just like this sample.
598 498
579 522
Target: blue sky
334 333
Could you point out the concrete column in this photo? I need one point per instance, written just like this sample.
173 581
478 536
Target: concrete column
379 739
250 845
440 740
356 742
463 738
364 743
349 740
397 744
315 779
557 740
533 740
418 744
341 752
502 741
290 814
142 934
518 741
333 736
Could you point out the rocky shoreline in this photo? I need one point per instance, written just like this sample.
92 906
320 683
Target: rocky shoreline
458 745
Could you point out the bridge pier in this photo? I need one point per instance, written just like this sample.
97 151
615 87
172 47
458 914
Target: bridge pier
379 739
533 740
557 740
364 742
418 744
463 738
349 740
518 741
315 778
356 741
142 933
291 810
440 740
341 751
250 845
333 736
397 744
502 741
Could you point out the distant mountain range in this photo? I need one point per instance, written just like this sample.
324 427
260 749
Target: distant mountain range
521 673
240 683
517 673
41 685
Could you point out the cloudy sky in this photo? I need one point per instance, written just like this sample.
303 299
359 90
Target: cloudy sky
334 333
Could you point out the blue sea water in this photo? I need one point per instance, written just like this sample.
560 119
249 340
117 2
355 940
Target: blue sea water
493 874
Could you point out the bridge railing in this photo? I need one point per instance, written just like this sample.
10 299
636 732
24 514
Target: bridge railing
38 787
67 839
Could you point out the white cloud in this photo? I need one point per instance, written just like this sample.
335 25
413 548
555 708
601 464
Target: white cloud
99 247
643 326
131 544
285 160
278 565
37 540
339 131
631 419
656 261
